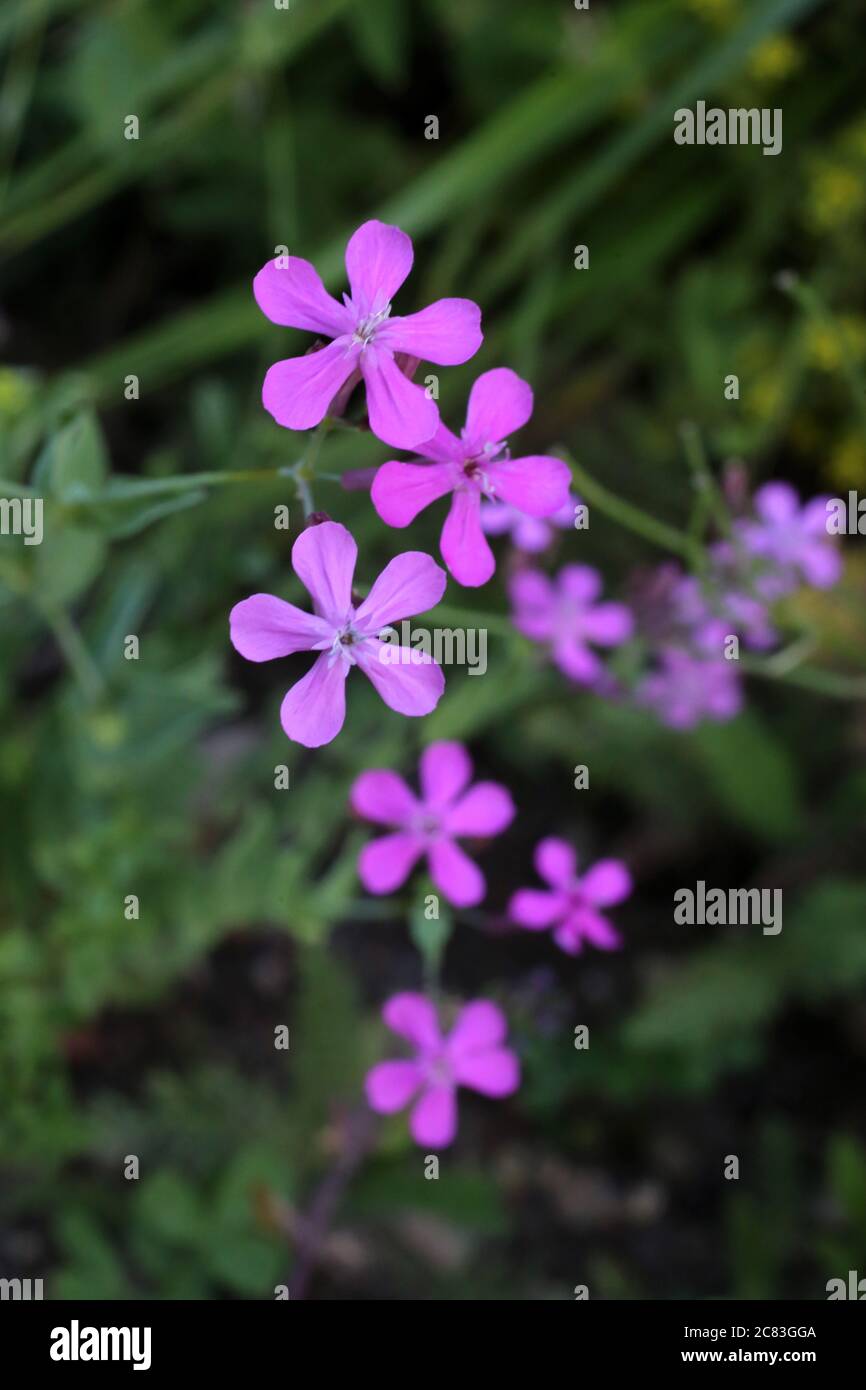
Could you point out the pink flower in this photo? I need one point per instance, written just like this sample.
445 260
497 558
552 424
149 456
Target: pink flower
476 465
687 687
530 534
571 906
792 539
299 390
323 557
430 825
562 613
471 1056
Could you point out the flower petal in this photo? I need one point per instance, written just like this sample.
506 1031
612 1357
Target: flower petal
407 679
606 883
385 864
534 600
295 297
444 770
576 661
534 909
500 403
579 582
556 862
378 259
821 564
323 558
486 809
413 1017
298 390
492 1073
478 1025
463 543
263 627
776 502
382 797
455 875
401 490
313 711
391 1085
535 484
410 583
443 447
433 1122
608 624
595 929
401 414
447 332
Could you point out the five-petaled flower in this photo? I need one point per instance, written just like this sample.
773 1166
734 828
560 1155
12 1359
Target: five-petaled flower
366 336
471 1055
790 540
323 557
570 905
475 466
562 613
429 825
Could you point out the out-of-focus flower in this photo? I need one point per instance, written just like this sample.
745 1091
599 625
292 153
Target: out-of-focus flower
828 344
476 465
447 810
264 627
775 58
687 687
472 1055
366 338
791 540
530 534
563 614
836 195
571 904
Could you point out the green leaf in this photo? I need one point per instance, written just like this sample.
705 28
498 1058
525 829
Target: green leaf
77 459
67 561
752 776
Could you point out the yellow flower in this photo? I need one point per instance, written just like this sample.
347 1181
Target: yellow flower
829 343
720 12
847 466
836 195
775 59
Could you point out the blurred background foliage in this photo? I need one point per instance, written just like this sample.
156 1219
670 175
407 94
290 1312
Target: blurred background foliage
155 1037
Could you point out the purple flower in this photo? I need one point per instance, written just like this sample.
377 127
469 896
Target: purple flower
323 557
298 391
708 613
429 825
688 687
791 539
563 614
530 534
476 465
471 1056
571 904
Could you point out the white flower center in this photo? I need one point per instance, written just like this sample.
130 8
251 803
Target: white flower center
366 328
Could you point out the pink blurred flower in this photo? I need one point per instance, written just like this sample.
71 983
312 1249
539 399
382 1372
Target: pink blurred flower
563 614
687 687
299 390
264 627
571 904
530 534
431 824
473 1056
791 539
476 465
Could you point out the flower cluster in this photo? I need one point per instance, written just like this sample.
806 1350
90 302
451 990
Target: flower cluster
492 491
690 621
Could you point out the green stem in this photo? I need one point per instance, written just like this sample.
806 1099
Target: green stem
831 683
75 653
710 500
630 516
